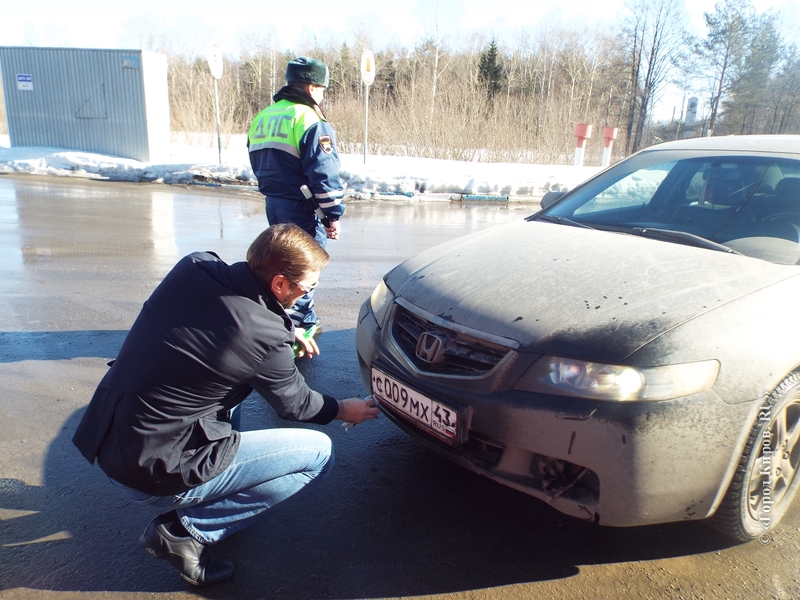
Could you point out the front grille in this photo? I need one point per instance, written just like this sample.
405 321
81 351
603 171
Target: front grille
464 355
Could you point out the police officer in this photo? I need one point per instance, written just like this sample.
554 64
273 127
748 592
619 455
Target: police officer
291 145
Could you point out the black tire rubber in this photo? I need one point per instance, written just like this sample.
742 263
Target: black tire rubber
745 514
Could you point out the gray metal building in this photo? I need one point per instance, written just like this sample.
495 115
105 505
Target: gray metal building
102 101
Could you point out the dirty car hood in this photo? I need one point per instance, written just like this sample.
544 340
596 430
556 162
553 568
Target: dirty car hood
588 294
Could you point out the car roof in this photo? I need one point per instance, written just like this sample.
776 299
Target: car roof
770 144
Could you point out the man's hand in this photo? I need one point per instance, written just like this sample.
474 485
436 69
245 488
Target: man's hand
333 231
309 346
357 410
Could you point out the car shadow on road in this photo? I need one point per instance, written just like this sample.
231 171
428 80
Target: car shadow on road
393 519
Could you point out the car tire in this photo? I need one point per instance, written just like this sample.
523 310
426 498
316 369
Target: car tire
767 477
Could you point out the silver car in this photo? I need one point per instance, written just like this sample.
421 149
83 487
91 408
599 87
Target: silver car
629 354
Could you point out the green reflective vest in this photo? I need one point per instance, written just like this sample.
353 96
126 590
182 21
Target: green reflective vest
281 126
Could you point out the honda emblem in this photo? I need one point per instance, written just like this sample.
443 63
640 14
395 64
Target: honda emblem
430 348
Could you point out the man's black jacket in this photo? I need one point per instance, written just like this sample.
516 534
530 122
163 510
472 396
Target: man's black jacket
209 334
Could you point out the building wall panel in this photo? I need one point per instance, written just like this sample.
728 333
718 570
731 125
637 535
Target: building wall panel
102 101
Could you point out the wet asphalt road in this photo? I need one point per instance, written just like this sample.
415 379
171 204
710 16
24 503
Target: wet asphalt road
78 258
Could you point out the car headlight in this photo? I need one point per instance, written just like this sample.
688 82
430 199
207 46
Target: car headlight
380 301
581 379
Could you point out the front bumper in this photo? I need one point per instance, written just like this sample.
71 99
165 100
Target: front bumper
619 464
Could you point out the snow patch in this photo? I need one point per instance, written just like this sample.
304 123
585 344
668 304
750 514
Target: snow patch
195 158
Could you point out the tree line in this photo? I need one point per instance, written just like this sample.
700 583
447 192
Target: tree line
505 100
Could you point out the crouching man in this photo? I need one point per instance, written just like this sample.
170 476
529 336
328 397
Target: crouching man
158 423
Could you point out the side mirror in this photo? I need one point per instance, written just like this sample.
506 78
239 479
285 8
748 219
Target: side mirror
550 198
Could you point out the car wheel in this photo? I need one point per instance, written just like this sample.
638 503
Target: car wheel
766 478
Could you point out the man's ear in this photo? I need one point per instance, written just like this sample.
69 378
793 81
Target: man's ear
279 285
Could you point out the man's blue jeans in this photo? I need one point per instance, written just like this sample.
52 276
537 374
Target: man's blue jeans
302 215
270 466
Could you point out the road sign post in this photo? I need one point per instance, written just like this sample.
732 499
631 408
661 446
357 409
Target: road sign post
367 76
216 65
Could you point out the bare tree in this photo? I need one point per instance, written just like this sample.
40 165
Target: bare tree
430 101
654 31
259 73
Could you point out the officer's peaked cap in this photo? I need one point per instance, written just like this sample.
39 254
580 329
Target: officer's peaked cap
307 70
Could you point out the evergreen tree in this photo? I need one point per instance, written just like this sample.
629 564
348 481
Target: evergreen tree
725 49
490 72
785 95
748 100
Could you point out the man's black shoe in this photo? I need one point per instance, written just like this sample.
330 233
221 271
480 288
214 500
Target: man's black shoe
191 558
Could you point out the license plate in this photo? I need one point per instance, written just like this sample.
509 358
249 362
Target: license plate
438 418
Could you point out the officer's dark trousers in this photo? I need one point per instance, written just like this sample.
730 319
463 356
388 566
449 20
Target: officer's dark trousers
302 215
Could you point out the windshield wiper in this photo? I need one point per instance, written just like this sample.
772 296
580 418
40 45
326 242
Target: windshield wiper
564 221
681 237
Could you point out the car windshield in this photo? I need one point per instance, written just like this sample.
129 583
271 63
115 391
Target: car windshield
744 204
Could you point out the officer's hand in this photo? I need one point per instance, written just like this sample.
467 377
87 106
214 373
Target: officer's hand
309 346
357 410
333 231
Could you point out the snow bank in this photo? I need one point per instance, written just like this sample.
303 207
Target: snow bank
192 159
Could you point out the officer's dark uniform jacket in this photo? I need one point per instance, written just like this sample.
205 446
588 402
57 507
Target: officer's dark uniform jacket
209 334
290 145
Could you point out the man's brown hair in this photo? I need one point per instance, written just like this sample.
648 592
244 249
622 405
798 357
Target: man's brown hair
287 250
